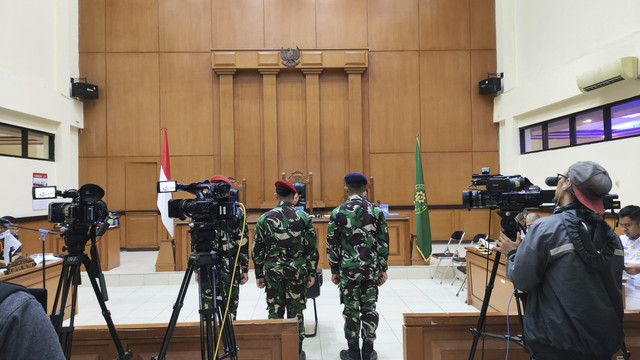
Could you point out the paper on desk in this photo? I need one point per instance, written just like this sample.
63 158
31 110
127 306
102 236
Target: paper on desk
47 256
9 242
487 244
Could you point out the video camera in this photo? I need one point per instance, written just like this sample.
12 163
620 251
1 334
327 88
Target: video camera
211 203
85 210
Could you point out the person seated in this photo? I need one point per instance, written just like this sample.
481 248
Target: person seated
9 239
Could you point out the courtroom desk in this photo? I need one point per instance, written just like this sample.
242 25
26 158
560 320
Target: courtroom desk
257 339
32 278
478 272
447 336
399 241
108 248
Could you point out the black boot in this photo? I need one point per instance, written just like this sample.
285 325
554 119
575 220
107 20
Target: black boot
367 351
353 353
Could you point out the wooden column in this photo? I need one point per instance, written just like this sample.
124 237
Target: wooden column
312 77
356 161
227 129
269 134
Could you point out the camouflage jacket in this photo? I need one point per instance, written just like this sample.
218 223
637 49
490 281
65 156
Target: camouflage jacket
357 240
284 244
227 240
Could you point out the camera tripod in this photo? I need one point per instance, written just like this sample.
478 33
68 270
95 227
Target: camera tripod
510 228
70 277
213 324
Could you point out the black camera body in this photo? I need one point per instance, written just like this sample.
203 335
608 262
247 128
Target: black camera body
211 203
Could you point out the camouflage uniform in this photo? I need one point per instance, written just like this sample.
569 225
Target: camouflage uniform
285 255
225 243
358 249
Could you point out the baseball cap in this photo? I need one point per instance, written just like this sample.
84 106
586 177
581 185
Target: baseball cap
590 183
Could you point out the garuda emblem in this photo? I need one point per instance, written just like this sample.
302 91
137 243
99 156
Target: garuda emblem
290 57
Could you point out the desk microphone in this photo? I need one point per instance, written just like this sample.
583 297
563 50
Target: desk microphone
551 180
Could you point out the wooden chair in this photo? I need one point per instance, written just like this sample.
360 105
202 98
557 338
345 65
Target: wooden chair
297 177
241 187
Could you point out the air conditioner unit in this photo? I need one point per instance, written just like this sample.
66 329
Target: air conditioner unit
625 68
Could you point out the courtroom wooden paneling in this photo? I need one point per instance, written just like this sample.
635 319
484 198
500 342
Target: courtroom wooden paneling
93 170
185 103
490 159
482 24
443 223
91 26
140 178
238 24
444 24
341 24
184 25
446 175
289 24
92 139
132 25
141 230
393 187
445 99
333 136
476 221
485 131
393 25
190 169
133 106
292 152
394 100
257 339
248 135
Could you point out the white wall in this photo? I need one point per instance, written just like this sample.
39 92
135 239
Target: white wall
38 56
541 46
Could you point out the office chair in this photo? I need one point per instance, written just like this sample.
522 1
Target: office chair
447 254
302 184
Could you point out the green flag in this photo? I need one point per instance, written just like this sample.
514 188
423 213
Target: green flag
423 226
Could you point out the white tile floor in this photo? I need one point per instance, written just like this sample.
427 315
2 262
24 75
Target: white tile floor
137 294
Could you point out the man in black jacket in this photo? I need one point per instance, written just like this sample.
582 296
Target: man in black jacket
570 264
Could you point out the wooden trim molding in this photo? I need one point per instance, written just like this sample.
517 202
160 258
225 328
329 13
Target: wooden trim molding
223 59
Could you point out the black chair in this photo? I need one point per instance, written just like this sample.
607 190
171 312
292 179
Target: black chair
312 293
457 236
297 178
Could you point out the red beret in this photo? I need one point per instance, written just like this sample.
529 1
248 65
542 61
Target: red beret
219 178
285 185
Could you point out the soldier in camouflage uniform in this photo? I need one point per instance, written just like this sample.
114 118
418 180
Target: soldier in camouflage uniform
285 257
357 250
225 243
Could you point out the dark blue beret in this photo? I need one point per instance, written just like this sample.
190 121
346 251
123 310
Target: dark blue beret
355 179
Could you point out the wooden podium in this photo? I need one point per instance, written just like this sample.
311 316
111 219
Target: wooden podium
479 268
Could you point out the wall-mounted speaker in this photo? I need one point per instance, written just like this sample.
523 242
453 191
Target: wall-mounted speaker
83 90
490 86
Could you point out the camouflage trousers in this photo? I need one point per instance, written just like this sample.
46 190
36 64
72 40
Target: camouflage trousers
360 316
233 302
290 295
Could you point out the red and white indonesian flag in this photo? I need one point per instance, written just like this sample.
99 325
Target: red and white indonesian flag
163 198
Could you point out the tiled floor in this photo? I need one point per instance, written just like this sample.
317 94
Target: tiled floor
137 294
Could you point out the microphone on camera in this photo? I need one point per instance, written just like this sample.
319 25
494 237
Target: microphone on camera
551 180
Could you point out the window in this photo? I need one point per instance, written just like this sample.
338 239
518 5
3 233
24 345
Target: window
609 122
21 142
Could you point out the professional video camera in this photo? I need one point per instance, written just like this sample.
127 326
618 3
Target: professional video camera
85 210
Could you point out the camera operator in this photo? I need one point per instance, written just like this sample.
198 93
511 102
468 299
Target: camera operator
226 243
630 224
571 267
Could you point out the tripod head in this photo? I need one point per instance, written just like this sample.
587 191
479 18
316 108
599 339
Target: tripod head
510 226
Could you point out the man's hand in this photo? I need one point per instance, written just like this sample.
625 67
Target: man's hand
382 278
244 277
505 245
632 269
260 283
311 281
335 278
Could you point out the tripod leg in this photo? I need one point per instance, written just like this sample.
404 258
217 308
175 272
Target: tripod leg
207 324
69 276
485 305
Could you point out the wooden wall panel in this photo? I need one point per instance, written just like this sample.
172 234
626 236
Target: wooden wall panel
444 24
393 25
132 25
185 103
133 106
394 102
93 171
446 175
394 180
140 189
190 169
445 101
482 24
237 24
292 149
485 131
334 113
115 183
141 231
489 159
476 221
91 26
289 24
443 223
93 137
248 135
185 25
341 24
